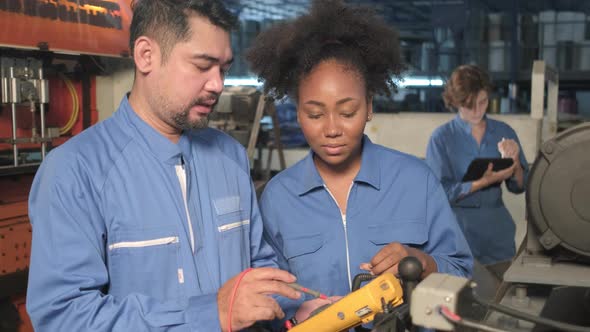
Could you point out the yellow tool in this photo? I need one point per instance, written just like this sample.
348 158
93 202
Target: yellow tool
358 307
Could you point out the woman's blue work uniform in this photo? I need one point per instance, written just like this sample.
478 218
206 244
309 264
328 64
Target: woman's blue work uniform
485 221
394 198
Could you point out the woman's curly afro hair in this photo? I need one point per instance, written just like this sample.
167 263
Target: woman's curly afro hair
285 53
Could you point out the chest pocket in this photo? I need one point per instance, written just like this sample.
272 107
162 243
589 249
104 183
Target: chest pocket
412 233
233 228
303 252
145 261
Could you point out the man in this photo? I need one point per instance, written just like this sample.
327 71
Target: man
143 221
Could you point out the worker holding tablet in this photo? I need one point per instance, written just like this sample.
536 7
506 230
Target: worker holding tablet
456 152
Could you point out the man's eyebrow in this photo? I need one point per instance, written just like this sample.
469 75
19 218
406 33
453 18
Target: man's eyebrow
211 58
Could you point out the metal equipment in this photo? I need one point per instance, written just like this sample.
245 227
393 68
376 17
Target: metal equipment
239 113
558 206
29 128
550 277
433 292
22 81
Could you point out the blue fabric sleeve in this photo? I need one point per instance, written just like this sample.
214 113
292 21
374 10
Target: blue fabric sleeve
438 160
68 274
511 182
272 237
262 254
446 243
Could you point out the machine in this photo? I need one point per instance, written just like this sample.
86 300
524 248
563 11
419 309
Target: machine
48 68
550 277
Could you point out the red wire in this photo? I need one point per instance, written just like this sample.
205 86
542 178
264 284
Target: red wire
233 296
449 314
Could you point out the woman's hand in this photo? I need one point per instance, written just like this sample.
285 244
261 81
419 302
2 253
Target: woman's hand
490 177
509 149
388 258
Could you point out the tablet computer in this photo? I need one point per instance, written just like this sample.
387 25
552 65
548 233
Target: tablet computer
478 167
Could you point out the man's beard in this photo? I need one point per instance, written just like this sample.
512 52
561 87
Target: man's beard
181 120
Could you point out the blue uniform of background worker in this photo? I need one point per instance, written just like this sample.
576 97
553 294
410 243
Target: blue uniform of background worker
478 205
350 206
143 221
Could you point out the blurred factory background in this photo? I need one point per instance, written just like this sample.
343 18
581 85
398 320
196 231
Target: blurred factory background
64 66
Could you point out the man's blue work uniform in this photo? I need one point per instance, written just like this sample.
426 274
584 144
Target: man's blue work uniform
118 245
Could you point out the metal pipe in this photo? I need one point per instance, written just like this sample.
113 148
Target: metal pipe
13 106
42 100
32 108
14 147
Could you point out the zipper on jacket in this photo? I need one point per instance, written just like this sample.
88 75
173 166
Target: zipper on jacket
181 174
146 243
343 216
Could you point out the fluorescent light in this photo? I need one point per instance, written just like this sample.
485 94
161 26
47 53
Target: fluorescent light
436 82
407 82
420 81
242 81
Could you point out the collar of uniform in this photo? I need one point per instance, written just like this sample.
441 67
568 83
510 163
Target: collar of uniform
310 175
369 173
161 147
466 126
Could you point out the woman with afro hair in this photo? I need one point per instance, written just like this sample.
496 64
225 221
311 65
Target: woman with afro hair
350 206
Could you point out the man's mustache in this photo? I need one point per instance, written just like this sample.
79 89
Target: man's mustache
210 100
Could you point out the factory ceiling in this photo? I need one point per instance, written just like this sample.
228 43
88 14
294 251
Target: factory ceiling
404 13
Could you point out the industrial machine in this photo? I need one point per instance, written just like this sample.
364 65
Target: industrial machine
241 113
550 277
41 106
48 66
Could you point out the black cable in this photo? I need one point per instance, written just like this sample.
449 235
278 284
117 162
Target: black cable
455 319
479 326
359 278
531 318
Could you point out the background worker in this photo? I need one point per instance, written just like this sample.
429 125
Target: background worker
478 205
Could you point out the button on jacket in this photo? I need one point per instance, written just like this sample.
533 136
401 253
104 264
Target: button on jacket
394 198
486 223
117 247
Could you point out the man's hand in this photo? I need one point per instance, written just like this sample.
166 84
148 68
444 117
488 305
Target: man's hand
388 258
251 300
310 306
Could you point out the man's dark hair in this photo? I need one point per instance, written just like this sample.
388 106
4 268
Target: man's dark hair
166 21
286 52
